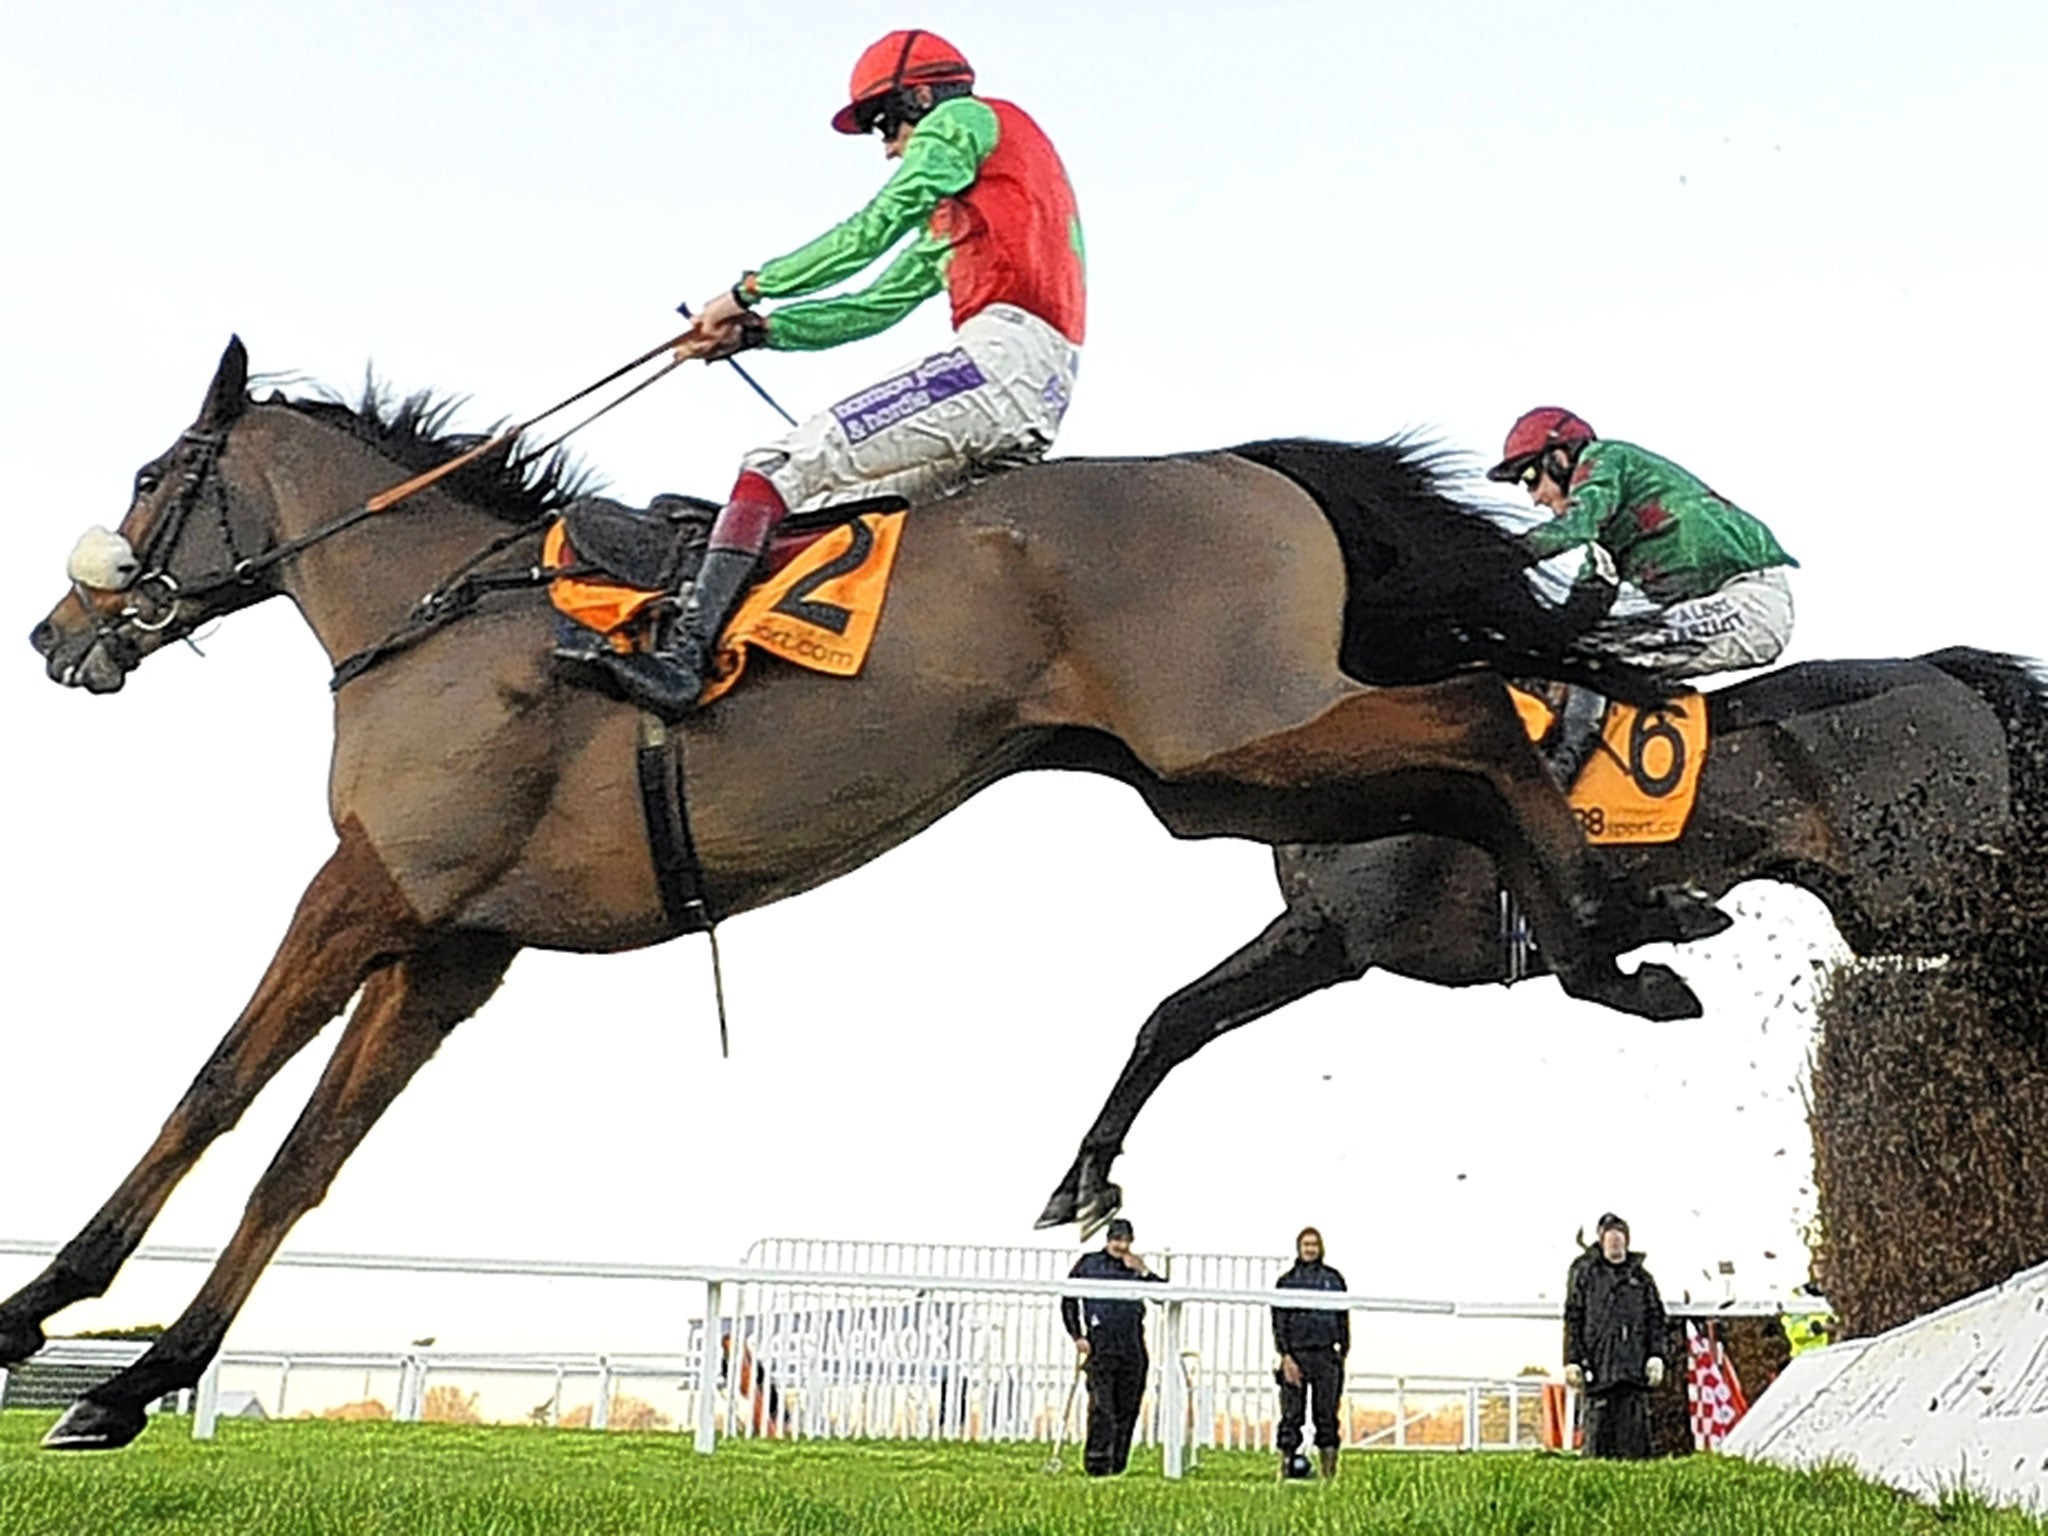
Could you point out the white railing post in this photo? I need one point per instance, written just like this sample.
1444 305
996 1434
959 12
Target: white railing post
707 1370
1472 1418
1172 1392
601 1409
206 1406
1401 1411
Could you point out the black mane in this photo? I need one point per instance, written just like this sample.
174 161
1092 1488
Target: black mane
1434 586
512 483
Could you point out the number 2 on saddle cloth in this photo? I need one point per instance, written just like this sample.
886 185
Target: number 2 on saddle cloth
1640 782
818 607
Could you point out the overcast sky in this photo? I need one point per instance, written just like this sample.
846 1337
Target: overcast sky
1798 248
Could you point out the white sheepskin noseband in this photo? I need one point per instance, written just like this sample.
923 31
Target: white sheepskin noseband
102 561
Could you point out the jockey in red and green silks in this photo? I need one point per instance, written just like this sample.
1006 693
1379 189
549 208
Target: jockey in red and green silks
1716 572
984 203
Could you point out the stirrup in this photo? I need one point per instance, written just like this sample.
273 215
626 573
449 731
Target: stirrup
578 645
660 681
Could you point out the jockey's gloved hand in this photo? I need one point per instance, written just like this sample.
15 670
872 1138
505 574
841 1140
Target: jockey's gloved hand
1591 598
741 335
725 306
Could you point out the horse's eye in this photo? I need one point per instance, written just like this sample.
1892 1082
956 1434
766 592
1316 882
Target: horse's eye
146 482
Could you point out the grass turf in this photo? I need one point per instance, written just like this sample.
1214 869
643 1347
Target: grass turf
424 1480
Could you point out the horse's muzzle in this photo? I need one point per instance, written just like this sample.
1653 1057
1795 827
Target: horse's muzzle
77 661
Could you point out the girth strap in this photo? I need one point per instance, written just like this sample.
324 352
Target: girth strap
676 871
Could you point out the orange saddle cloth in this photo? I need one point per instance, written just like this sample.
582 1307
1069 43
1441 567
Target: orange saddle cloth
1640 783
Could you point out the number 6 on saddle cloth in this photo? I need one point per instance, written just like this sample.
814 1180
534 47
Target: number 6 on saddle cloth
1639 786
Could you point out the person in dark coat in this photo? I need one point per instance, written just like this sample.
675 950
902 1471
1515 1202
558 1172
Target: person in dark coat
1312 1346
1109 1339
1614 1326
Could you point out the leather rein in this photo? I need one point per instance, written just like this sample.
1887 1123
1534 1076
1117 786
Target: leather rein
156 595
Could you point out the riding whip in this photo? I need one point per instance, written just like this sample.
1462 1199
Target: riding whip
752 382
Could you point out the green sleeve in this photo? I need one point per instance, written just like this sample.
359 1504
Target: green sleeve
1591 503
914 276
943 157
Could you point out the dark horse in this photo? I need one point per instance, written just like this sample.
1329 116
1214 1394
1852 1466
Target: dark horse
1910 796
1225 630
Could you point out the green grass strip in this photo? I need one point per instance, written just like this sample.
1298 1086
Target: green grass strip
313 1478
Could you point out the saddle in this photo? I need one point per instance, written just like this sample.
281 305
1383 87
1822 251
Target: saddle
638 547
614 568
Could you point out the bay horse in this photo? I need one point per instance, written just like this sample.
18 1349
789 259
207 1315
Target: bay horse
1910 796
1198 619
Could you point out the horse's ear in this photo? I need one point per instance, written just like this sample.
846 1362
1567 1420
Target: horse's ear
228 395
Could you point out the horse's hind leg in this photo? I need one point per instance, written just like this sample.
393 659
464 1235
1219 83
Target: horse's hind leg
404 1013
1300 952
350 920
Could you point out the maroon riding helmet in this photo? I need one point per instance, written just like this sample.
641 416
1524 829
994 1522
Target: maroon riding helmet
1534 434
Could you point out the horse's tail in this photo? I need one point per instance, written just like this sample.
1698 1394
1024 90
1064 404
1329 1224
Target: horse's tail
2017 689
2010 931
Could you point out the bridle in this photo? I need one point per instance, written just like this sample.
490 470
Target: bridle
198 474
196 477
154 594
160 601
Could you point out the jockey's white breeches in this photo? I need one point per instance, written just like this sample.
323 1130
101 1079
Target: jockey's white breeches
992 401
1745 622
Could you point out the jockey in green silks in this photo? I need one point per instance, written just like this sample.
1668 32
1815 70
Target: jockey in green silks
985 207
1716 573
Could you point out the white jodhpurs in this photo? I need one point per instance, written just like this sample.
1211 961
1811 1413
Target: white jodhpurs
1745 622
992 401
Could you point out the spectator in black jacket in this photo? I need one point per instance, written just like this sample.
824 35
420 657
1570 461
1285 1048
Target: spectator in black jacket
1312 1346
1614 1326
1109 1339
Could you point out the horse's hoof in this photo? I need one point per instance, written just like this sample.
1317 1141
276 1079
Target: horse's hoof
91 1426
1653 992
1691 916
1098 1204
1660 993
1065 1201
18 1341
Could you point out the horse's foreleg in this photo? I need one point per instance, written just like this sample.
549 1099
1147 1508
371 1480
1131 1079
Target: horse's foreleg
405 1011
350 921
1301 952
1453 759
1582 917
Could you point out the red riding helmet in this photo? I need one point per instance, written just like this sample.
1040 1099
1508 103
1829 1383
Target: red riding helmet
1535 433
900 60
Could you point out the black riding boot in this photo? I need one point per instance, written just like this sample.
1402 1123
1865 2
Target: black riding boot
668 678
1576 734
